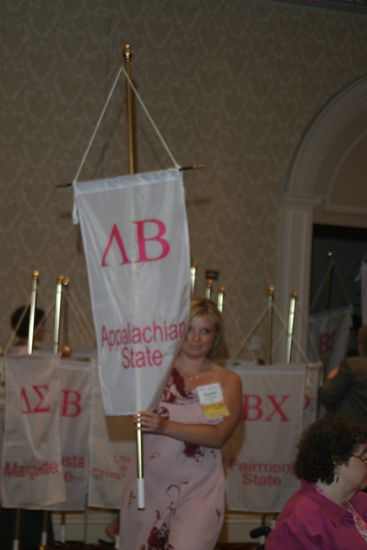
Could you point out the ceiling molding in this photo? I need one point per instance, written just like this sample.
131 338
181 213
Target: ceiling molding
351 6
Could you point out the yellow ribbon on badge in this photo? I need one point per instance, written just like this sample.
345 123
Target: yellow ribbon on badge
215 410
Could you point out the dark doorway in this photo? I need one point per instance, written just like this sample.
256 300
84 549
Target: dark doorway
342 287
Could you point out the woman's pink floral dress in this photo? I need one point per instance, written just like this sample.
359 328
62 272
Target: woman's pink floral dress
184 485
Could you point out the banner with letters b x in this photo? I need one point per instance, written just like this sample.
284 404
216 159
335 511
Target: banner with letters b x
136 245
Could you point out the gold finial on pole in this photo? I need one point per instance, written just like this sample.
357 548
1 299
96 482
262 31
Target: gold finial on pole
193 270
220 298
292 308
270 291
127 55
35 279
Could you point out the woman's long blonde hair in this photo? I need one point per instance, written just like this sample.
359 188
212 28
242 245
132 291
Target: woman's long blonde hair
203 307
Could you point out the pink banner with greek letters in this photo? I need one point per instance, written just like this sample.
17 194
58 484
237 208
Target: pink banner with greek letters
32 475
258 458
136 246
112 450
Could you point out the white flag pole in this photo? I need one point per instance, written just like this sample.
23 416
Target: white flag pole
35 279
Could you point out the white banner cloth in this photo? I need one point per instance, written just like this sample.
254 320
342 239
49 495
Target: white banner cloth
75 414
111 451
137 251
258 458
328 336
32 474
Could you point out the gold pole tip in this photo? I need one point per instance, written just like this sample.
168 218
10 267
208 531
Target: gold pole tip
221 289
270 289
294 294
66 281
65 351
35 274
127 52
60 279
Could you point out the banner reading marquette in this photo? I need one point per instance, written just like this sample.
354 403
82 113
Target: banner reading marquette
136 246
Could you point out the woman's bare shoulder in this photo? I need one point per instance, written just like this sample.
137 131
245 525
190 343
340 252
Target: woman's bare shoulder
226 375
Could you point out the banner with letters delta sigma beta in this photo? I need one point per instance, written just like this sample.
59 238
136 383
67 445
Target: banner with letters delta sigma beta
136 246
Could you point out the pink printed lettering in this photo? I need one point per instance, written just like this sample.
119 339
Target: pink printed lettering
115 236
71 403
40 392
142 240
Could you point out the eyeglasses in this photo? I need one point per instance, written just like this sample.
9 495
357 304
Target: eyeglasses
362 457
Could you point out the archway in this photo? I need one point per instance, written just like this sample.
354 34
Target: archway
315 191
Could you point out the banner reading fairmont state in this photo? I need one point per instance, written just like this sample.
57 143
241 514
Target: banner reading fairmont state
259 455
136 246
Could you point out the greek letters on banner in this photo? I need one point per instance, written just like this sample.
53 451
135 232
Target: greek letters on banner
75 414
112 450
259 477
328 336
32 474
136 246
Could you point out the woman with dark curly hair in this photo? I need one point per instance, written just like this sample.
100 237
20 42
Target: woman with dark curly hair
329 512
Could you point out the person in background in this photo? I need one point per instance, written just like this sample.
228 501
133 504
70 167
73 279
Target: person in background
329 511
19 321
31 521
344 392
199 409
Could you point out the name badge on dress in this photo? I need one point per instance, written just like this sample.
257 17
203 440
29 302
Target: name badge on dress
211 401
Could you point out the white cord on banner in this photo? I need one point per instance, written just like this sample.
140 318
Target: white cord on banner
143 106
84 326
244 341
97 125
145 109
306 319
339 280
323 282
228 309
342 286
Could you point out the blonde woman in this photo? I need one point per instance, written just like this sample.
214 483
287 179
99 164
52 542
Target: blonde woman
199 409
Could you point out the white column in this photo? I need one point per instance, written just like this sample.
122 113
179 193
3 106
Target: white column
294 271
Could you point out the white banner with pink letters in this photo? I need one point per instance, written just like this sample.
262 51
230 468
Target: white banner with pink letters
136 246
112 449
32 475
328 336
74 423
258 458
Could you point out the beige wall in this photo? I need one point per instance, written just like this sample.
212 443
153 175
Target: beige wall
232 84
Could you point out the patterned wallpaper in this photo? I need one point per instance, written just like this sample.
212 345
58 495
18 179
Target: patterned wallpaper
232 84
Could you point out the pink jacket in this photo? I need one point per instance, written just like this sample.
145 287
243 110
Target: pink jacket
312 521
